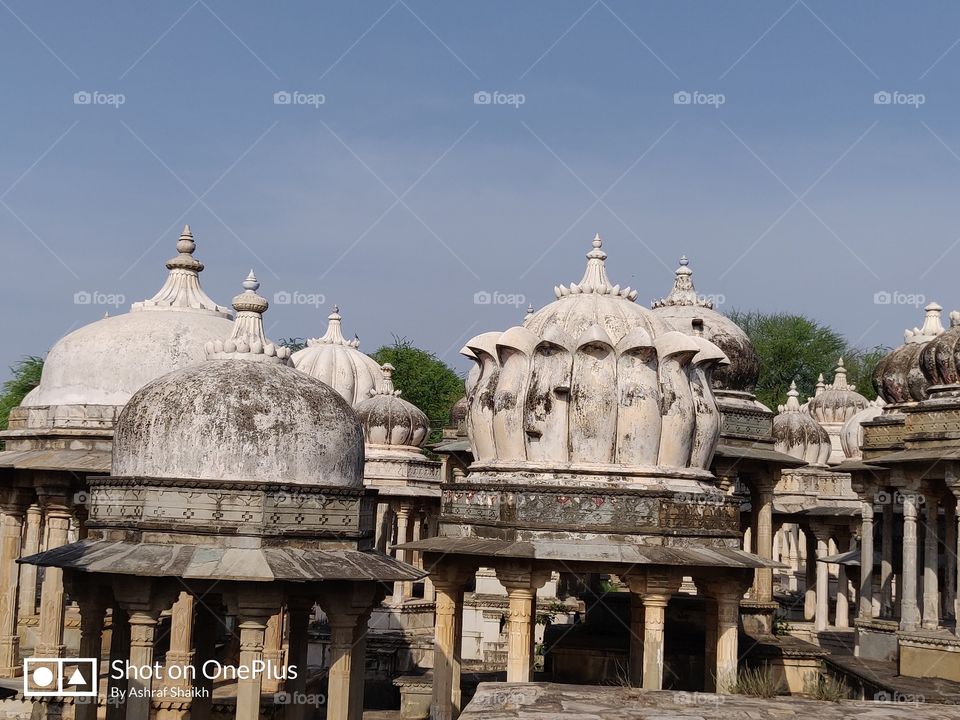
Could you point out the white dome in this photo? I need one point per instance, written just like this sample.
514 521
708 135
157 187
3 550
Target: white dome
593 379
242 415
797 434
851 437
837 402
339 363
389 420
106 362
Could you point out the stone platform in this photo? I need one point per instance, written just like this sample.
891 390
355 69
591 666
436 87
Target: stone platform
544 701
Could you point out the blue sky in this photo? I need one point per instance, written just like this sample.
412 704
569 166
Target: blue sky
399 197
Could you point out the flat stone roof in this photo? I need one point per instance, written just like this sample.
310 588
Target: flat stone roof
546 701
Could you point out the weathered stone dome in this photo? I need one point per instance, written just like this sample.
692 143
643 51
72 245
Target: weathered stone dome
683 307
798 434
593 381
898 377
389 420
339 363
244 414
106 362
851 437
837 402
458 413
940 357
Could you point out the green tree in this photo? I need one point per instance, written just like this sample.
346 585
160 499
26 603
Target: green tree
794 347
426 381
26 376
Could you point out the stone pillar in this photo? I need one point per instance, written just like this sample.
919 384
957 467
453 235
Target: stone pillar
414 557
28 573
810 574
636 640
521 585
298 618
119 650
842 612
92 609
822 620
57 521
727 653
431 529
273 651
763 500
143 628
909 612
866 561
931 595
358 666
403 519
654 616
348 608
181 640
711 629
950 545
11 527
253 627
446 649
886 562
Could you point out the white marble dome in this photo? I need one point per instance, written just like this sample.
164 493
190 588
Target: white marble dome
837 402
898 376
106 362
593 380
339 363
683 309
390 421
798 434
242 415
851 436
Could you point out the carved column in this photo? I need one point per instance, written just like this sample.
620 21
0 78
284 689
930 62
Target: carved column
909 612
950 545
763 499
92 610
931 595
414 558
810 576
403 518
252 626
446 650
57 520
521 585
348 607
143 627
11 526
28 573
273 651
654 616
358 666
728 614
842 612
181 641
821 620
886 562
866 560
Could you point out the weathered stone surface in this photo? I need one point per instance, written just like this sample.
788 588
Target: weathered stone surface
798 434
513 701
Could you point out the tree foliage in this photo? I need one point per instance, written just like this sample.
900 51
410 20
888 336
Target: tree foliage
26 376
426 381
794 347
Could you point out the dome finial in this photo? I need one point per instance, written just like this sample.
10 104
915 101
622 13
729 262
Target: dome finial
334 333
182 290
932 326
595 278
683 292
386 382
793 403
247 341
839 377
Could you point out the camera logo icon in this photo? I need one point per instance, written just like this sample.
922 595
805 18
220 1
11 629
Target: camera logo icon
60 677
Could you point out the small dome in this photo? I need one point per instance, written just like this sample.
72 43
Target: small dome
797 434
458 413
851 437
940 357
682 308
106 362
387 419
837 402
339 363
593 379
898 377
244 414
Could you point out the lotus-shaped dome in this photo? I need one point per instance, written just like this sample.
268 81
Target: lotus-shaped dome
797 434
683 308
837 402
593 380
244 414
851 437
898 377
940 357
389 420
106 362
339 363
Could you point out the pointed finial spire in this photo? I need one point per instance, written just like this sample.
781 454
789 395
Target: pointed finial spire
683 293
839 376
595 278
334 333
932 326
793 404
386 382
821 385
182 290
247 341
